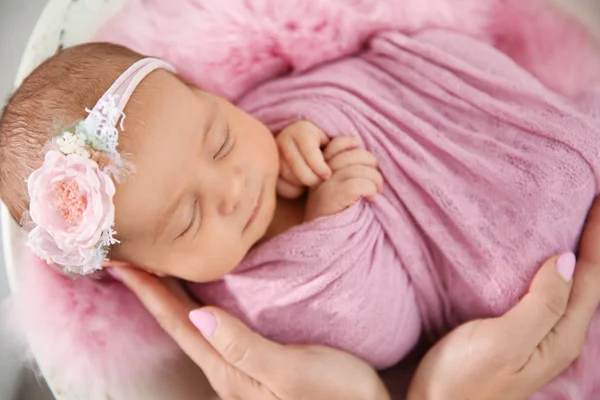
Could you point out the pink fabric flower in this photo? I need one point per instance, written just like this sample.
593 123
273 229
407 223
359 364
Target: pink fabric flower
44 246
71 204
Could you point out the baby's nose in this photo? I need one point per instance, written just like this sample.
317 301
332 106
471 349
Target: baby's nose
232 193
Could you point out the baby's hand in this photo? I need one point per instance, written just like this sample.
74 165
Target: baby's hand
302 162
355 175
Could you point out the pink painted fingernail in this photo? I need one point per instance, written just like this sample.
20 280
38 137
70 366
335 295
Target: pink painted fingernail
205 321
565 266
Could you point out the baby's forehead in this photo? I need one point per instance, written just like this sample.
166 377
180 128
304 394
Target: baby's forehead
163 102
160 141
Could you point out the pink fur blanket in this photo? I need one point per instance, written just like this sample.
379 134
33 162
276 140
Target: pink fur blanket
95 335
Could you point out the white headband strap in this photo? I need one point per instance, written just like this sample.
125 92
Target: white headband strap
125 84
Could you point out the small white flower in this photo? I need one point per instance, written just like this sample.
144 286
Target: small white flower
83 153
73 143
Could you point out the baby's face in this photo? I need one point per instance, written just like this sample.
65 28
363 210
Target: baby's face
204 189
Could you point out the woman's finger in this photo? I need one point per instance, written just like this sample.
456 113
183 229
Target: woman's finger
176 319
589 247
566 340
585 298
172 315
174 285
529 322
255 356
586 295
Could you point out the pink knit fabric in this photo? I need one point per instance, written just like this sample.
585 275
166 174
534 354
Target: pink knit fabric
487 173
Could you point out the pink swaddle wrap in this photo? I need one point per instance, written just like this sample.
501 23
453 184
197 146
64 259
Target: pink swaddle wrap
487 173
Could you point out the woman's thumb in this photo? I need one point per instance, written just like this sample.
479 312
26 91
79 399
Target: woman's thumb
238 345
530 321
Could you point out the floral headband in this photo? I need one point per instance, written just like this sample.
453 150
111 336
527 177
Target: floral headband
71 212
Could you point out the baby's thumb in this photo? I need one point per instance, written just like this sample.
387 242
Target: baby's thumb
538 312
238 345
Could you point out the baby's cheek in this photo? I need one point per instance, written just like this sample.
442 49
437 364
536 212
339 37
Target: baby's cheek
144 257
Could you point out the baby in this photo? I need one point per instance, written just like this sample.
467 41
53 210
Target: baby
484 173
232 198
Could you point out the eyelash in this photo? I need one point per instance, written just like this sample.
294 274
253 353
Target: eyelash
193 220
226 147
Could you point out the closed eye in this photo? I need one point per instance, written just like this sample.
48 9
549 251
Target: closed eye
194 218
227 144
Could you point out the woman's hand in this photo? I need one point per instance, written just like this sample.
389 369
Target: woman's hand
239 363
513 356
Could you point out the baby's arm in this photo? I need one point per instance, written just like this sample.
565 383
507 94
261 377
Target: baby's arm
337 175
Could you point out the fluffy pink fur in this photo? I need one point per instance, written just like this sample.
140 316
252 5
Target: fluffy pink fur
90 335
547 43
240 43
95 334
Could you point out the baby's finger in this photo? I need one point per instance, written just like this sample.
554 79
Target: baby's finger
339 145
313 156
357 187
361 171
286 173
288 190
292 156
353 157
